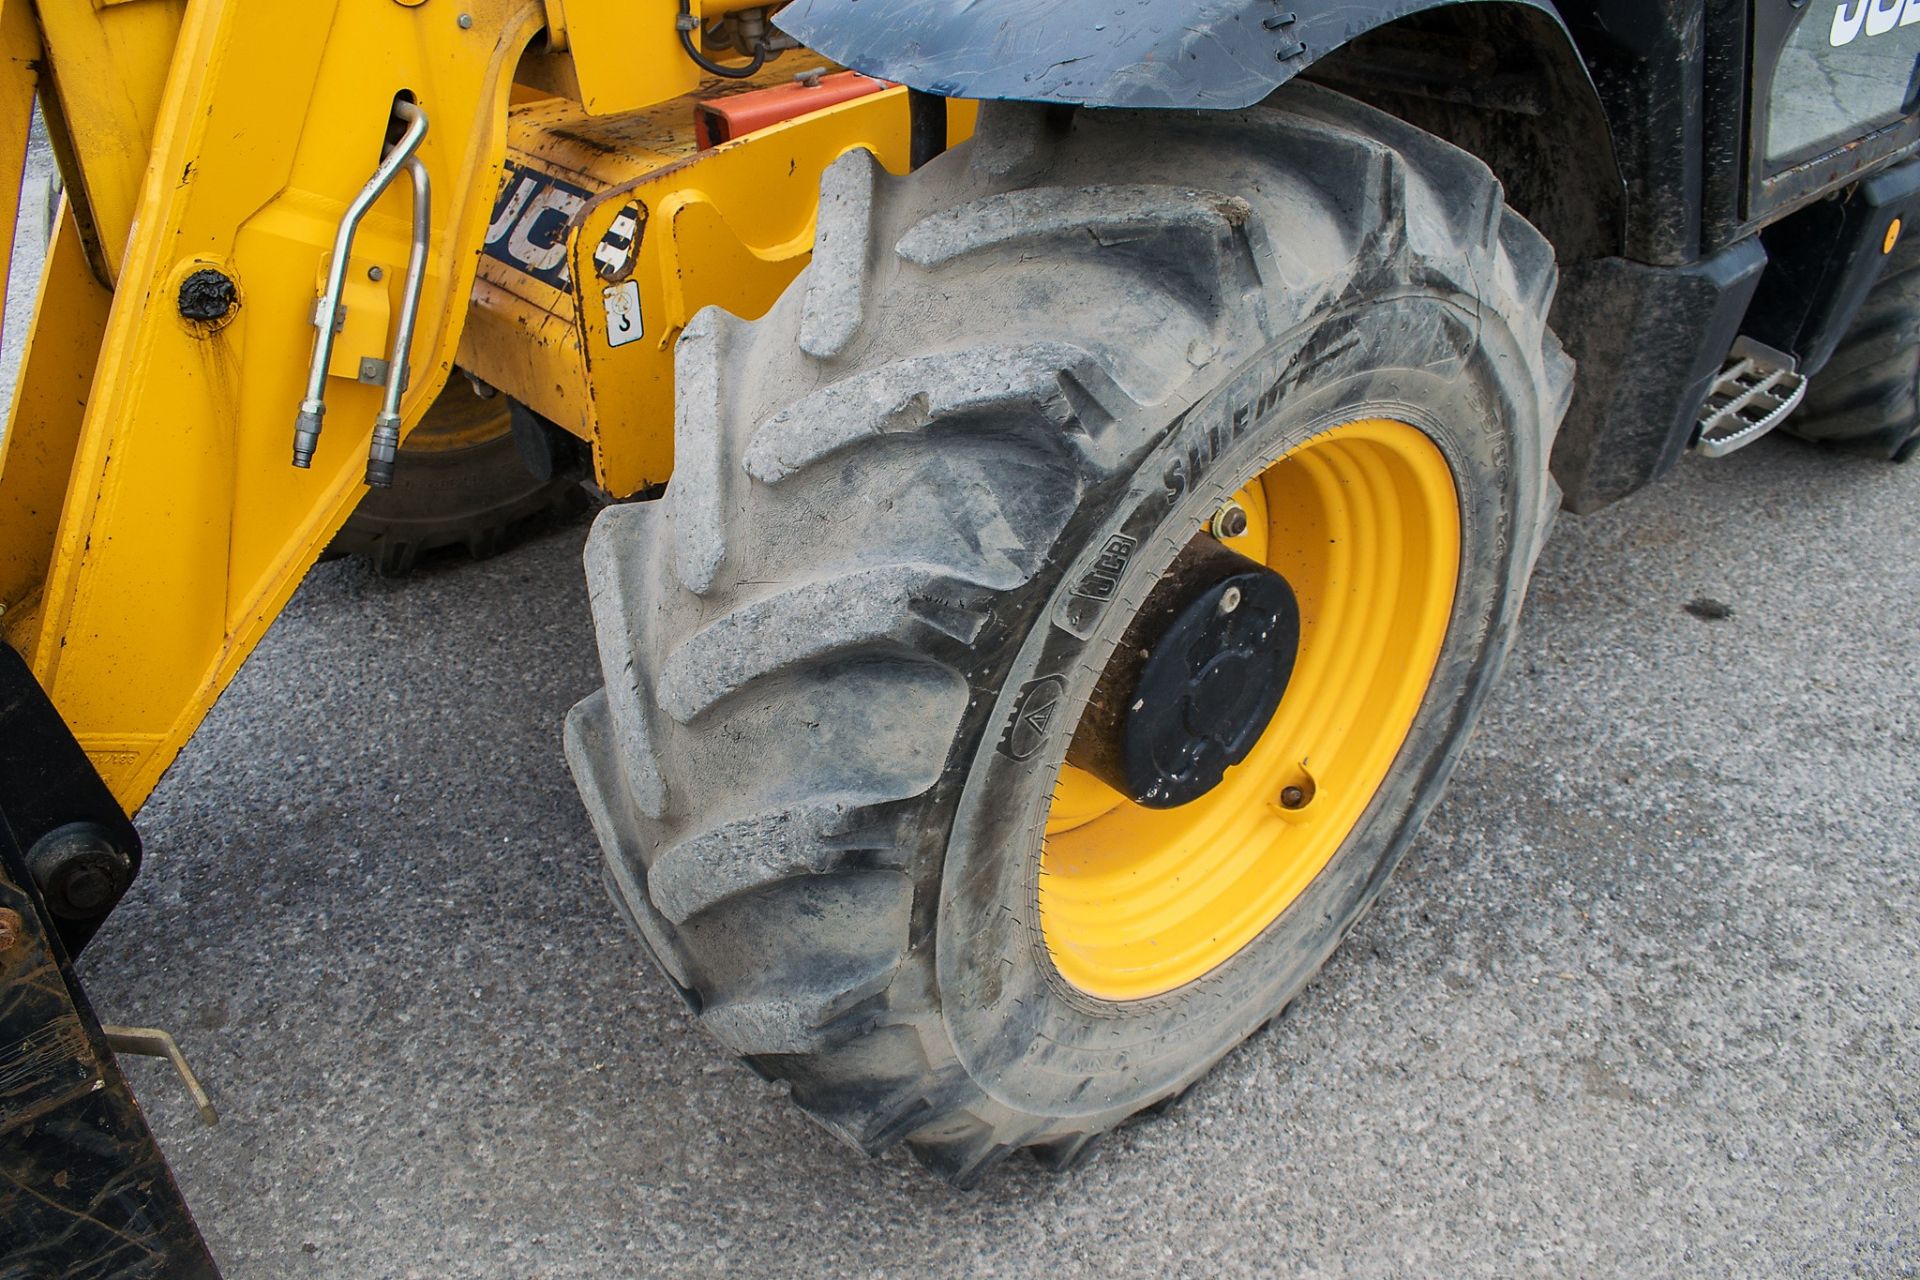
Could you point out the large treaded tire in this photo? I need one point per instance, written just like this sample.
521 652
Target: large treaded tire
1867 398
884 493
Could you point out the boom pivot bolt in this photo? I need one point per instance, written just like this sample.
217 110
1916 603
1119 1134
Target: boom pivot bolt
79 870
208 296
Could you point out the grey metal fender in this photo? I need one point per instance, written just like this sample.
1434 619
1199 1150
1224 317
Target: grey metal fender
1222 54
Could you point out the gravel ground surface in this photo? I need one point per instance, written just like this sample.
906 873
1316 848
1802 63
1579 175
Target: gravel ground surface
1643 1000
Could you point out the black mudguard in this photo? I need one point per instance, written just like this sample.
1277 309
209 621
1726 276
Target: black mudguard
1221 54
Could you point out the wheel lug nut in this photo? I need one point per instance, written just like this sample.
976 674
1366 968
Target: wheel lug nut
1292 798
1229 521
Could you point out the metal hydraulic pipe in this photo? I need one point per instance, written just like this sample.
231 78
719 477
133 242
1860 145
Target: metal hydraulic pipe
327 315
385 445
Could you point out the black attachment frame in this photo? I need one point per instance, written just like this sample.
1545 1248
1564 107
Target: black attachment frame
47 785
84 1190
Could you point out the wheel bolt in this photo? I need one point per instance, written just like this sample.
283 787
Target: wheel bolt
1292 798
1229 521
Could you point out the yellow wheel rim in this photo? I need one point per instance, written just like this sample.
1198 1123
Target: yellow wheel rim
1364 522
459 419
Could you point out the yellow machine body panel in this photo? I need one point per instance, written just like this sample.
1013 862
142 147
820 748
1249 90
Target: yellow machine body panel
610 233
151 525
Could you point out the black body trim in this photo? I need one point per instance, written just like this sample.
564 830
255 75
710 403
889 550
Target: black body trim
1659 336
1098 53
1824 260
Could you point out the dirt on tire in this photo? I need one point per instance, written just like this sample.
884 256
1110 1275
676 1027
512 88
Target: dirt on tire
1064 332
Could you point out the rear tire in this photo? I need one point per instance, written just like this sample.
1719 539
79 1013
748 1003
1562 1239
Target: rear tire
934 480
461 483
1867 398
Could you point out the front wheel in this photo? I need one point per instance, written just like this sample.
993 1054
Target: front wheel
1068 601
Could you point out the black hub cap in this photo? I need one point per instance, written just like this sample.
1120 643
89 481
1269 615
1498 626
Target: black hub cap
1195 680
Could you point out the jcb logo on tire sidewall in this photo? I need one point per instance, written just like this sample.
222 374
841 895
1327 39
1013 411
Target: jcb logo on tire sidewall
1102 577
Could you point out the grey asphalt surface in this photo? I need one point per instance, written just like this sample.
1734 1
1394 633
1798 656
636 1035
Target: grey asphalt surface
1642 1001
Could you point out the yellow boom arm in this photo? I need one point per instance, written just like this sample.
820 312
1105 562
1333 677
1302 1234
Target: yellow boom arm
151 522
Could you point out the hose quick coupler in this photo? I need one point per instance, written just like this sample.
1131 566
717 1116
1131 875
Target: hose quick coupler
306 431
383 450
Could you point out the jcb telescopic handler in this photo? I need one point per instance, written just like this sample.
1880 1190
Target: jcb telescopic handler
1070 468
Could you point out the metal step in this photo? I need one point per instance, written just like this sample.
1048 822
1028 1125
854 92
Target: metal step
1755 392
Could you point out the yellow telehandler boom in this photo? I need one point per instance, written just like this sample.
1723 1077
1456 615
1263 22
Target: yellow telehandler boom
220 157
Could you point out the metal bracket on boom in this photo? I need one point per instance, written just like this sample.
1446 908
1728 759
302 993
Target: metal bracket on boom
329 314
